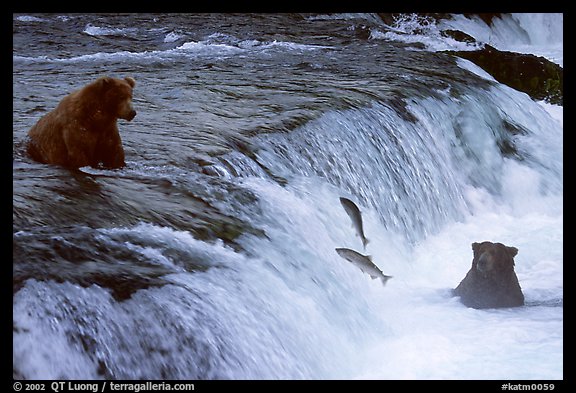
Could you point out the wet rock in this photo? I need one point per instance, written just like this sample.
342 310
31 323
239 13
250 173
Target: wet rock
487 17
458 36
540 78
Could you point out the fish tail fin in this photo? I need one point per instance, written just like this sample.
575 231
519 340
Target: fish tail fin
365 241
385 279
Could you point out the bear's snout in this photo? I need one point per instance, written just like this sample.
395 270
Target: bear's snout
484 263
131 115
128 114
126 111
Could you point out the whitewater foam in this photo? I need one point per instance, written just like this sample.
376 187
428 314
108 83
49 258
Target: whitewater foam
190 49
96 31
29 18
540 34
413 28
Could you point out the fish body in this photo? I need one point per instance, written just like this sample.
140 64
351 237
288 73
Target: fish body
356 217
364 262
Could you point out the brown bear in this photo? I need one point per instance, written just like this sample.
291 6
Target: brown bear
82 130
491 281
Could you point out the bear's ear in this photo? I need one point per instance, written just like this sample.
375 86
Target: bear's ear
475 246
104 81
130 81
513 251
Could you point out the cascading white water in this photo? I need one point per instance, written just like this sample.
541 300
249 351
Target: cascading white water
541 34
414 322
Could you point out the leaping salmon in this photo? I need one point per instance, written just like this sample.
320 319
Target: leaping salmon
356 217
364 262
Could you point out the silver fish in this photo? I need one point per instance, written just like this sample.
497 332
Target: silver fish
364 262
354 213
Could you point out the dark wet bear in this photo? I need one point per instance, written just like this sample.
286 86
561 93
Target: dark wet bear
491 281
82 130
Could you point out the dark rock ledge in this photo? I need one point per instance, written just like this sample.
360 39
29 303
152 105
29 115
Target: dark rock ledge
536 76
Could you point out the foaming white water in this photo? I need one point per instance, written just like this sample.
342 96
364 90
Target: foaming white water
429 327
173 37
281 306
190 49
541 34
93 30
413 328
30 18
413 28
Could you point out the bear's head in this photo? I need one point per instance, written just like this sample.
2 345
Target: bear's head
493 260
117 96
491 281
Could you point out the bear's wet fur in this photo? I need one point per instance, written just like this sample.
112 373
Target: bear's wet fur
491 281
82 130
